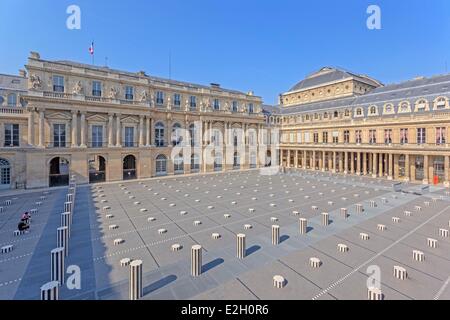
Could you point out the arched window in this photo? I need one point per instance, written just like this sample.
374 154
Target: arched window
388 108
325 115
421 105
195 162
307 117
177 137
373 110
218 162
236 161
12 100
440 103
5 174
192 134
359 112
161 165
253 160
404 107
159 134
336 114
129 167
347 113
178 164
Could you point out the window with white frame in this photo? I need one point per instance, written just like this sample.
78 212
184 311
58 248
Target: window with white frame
129 137
161 165
11 135
291 137
159 134
358 136
307 137
97 136
177 101
421 135
193 102
129 93
404 135
58 83
372 136
12 100
387 136
216 104
440 135
335 136
159 97
59 135
234 106
299 137
96 88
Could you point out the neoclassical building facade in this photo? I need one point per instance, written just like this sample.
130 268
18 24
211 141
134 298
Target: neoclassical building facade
338 121
109 125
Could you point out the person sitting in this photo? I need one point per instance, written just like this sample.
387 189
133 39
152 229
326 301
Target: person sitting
23 226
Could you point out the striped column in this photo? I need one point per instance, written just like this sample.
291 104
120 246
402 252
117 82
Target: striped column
240 246
69 197
344 213
372 203
342 247
196 260
136 289
315 262
374 294
62 239
65 221
432 243
359 208
400 273
50 291
68 206
275 235
418 255
57 266
443 233
279 282
303 225
325 218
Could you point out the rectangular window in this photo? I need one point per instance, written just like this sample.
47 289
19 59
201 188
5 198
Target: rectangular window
358 136
159 97
97 136
440 135
299 137
250 108
388 136
129 93
216 104
193 102
11 135
403 136
58 83
307 137
372 136
421 135
346 136
335 136
177 100
59 135
251 138
129 136
96 88
234 106
316 137
325 137
291 137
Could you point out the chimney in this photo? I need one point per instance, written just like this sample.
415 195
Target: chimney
215 85
22 73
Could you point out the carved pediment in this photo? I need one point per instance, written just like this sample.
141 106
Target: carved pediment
59 116
96 118
130 119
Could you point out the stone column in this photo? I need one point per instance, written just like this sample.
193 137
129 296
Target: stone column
334 161
110 130
407 168
240 246
341 162
152 132
391 173
288 158
358 163
380 165
296 159
345 162
41 128
74 128
425 169
50 291
304 159
275 235
322 164
136 288
374 165
83 130
314 161
396 167
364 163
141 131
118 131
446 173
31 128
147 132
352 163
196 260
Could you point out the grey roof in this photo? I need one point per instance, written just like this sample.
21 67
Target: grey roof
151 78
330 74
411 91
12 83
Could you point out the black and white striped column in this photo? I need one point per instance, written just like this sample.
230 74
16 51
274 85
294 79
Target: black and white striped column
325 219
418 255
57 265
303 225
65 221
432 243
50 291
344 213
136 289
62 239
240 246
68 206
359 208
400 273
443 233
69 197
196 260
374 294
275 235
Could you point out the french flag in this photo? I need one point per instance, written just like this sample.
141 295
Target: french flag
91 49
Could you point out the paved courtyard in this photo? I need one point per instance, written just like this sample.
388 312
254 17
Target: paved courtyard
191 208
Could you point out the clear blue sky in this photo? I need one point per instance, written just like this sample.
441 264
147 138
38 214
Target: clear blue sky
260 45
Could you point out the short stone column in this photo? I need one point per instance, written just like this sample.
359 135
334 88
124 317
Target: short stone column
136 289
196 260
240 246
50 291
57 265
62 239
303 225
275 235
